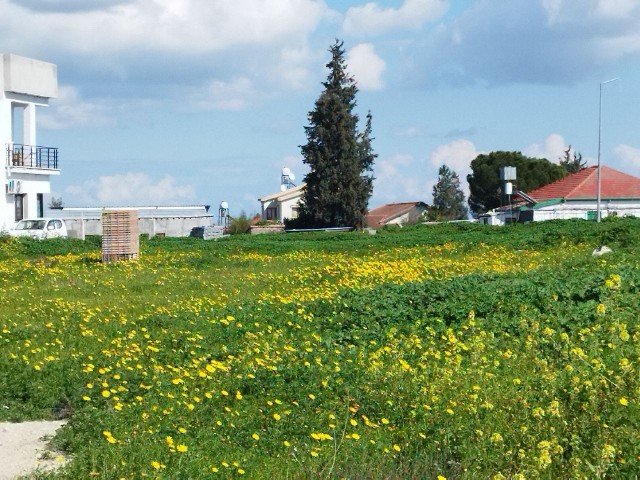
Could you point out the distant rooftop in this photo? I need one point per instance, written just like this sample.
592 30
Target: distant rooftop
583 185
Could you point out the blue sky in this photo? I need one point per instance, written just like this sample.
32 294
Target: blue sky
170 102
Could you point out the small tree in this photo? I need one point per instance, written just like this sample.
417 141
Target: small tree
239 224
448 198
572 161
339 183
56 203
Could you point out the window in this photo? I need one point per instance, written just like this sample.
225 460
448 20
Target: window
295 211
19 207
272 213
40 204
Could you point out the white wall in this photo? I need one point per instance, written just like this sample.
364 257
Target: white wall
565 211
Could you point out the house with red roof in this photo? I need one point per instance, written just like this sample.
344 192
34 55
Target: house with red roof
575 196
396 214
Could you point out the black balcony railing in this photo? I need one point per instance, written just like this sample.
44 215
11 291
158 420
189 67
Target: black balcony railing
31 156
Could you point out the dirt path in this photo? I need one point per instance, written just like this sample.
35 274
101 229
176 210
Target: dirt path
23 448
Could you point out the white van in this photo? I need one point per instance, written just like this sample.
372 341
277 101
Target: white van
40 228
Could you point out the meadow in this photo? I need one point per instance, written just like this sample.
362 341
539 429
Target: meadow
431 352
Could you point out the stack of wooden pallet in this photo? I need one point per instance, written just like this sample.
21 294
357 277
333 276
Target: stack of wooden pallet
120 235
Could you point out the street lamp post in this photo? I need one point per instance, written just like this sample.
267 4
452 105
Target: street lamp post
598 213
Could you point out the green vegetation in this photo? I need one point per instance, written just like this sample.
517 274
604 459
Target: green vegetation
448 197
486 188
453 350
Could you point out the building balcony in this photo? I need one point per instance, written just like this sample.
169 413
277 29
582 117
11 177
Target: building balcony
32 157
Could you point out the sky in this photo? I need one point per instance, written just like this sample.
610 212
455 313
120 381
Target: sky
195 102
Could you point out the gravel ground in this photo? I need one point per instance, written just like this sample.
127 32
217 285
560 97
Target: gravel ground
23 448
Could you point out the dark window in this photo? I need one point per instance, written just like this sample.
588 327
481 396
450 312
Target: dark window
40 207
19 202
272 213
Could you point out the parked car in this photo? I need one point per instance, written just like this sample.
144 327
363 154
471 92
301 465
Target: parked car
40 228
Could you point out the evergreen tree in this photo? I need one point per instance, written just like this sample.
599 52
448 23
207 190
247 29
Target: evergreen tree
339 183
448 198
486 187
572 161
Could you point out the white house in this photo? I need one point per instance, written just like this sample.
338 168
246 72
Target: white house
574 196
281 205
25 84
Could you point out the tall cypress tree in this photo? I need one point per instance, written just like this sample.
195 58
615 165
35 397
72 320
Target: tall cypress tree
338 185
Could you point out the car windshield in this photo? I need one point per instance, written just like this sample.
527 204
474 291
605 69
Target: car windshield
30 225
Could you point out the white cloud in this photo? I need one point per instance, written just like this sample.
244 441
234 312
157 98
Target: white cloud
366 66
130 189
236 94
69 110
629 159
171 25
371 19
456 155
553 149
495 42
399 179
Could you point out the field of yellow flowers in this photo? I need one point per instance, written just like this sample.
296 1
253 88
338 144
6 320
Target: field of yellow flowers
452 351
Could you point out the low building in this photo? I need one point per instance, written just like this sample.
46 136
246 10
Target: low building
396 214
167 221
25 85
283 204
574 196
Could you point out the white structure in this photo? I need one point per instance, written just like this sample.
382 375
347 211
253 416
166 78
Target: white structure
166 221
574 196
25 84
281 205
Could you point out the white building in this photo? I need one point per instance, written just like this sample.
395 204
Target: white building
25 84
283 204
574 196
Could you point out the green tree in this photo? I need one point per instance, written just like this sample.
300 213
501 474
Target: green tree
486 188
448 198
572 161
339 183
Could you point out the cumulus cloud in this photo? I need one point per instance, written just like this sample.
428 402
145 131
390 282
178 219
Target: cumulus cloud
173 25
233 53
629 159
366 66
371 19
67 5
456 155
400 178
236 94
553 149
130 189
523 41
70 110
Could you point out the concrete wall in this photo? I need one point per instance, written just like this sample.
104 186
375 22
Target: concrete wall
152 226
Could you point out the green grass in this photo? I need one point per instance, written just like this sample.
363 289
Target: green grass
458 350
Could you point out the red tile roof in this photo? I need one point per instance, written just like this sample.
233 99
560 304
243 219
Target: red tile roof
379 216
583 185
